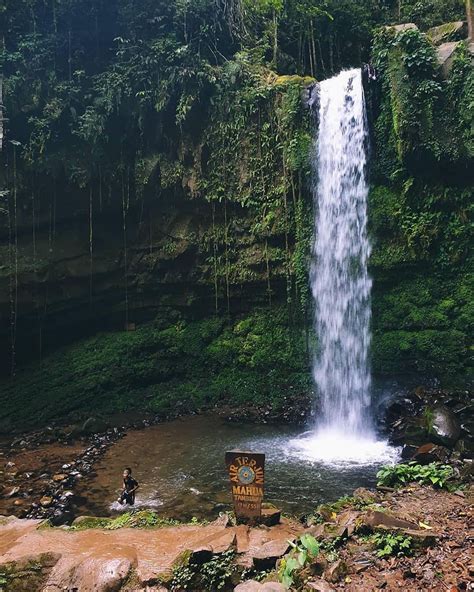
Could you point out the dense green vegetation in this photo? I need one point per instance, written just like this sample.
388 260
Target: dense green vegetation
182 368
435 474
420 207
121 114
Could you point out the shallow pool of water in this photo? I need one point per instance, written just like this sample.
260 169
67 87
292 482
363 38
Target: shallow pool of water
181 471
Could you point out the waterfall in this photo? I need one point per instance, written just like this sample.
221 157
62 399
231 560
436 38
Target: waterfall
344 434
339 279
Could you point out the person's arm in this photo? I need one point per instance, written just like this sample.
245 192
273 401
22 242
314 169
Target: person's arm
135 487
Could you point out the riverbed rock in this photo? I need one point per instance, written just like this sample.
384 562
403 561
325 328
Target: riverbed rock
254 586
61 517
94 425
59 477
428 453
425 538
375 519
12 492
445 425
336 571
270 516
46 501
408 451
319 585
349 520
265 557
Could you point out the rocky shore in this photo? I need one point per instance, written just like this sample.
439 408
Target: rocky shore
157 557
40 471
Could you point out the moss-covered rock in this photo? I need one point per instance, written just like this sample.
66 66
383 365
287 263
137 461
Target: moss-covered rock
28 574
447 32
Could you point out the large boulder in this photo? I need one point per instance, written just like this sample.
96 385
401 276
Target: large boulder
402 27
267 555
454 31
444 425
94 425
104 571
445 54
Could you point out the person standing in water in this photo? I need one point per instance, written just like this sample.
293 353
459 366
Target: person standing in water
130 486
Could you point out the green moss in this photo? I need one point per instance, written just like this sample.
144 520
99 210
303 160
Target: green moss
140 519
430 352
293 79
443 33
180 368
423 324
422 121
27 574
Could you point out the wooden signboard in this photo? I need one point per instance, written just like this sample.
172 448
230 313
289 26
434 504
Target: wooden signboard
246 473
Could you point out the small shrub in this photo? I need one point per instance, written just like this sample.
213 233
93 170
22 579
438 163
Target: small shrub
392 545
211 576
302 553
435 474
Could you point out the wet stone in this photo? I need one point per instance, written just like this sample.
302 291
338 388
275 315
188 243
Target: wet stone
267 555
336 571
12 492
319 585
46 501
59 477
445 424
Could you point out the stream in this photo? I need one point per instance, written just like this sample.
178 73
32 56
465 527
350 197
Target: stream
181 471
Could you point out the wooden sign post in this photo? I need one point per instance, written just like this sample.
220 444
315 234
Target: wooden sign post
246 473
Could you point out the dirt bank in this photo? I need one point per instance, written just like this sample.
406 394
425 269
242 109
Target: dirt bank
438 524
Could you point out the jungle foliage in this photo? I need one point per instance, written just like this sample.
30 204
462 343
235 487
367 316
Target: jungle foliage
421 206
165 370
116 108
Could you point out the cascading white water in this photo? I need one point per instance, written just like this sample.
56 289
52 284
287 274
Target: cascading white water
340 282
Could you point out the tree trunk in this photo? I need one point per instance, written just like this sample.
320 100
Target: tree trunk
470 19
1 111
275 40
2 45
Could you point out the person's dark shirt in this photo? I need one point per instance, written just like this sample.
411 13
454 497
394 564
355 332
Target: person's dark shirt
129 483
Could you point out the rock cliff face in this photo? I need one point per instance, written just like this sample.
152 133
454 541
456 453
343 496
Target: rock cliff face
144 216
219 222
165 261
